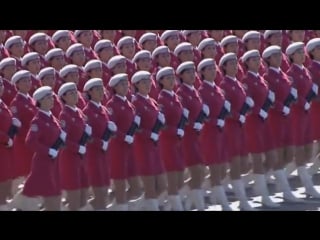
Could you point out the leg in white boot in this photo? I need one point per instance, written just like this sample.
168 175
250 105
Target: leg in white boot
307 182
120 207
4 207
261 189
290 168
284 186
198 199
221 197
240 193
151 204
175 202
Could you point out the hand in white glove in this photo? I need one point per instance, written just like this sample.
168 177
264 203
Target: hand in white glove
154 137
205 109
16 122
82 149
249 101
137 120
220 123
242 119
294 92
185 112
271 96
63 135
53 153
112 126
180 132
263 114
128 139
161 118
307 106
227 105
197 126
10 143
88 129
285 110
105 145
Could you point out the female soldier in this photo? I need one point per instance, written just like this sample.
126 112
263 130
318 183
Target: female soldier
98 163
235 134
212 138
301 118
15 45
7 69
122 166
279 117
43 179
170 137
257 127
6 149
73 157
191 100
149 166
23 108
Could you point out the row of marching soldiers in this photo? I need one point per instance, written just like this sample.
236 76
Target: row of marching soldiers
152 141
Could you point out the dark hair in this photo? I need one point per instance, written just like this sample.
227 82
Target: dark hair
38 104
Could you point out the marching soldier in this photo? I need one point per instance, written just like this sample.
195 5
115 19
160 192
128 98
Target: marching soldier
98 155
8 128
73 157
8 69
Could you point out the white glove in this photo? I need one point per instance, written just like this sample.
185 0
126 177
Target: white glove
285 110
112 126
315 88
185 112
227 105
249 101
88 129
197 126
294 92
307 106
82 150
16 122
63 135
128 139
180 132
137 120
205 109
271 96
105 145
10 143
161 118
263 114
220 123
53 153
154 136
242 119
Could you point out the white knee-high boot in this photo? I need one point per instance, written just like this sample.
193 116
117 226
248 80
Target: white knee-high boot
221 197
240 193
151 204
306 180
282 182
198 199
175 202
260 188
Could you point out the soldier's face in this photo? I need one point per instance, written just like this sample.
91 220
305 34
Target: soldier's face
47 103
168 82
48 80
122 87
97 93
96 73
209 51
188 76
24 85
210 72
144 86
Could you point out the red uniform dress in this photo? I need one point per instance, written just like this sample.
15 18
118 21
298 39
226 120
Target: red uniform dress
314 69
18 63
169 143
154 92
191 100
219 75
285 65
9 93
258 134
72 166
131 68
301 119
235 133
81 101
106 75
82 78
98 160
23 108
146 153
122 164
43 179
212 139
90 54
280 84
4 53
59 81
5 152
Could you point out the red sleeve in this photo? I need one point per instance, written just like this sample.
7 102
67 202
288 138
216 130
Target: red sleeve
32 139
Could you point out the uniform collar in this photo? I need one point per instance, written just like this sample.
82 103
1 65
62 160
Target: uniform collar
145 97
123 98
26 96
191 87
98 105
49 114
254 73
232 78
75 109
212 84
171 93
277 70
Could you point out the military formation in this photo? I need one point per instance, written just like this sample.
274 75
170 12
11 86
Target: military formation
149 120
